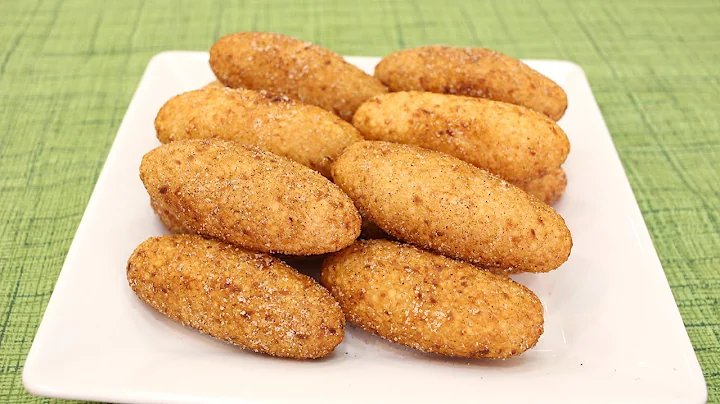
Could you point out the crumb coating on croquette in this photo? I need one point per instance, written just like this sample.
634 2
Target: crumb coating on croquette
444 204
248 197
548 188
431 302
475 72
307 134
246 298
513 142
303 71
171 220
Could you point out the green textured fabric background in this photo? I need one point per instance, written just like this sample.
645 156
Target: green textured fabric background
69 67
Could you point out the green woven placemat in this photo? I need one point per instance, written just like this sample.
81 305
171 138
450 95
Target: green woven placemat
69 67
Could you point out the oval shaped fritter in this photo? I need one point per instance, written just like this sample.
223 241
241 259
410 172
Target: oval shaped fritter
441 203
246 298
304 133
301 70
511 141
431 302
248 197
475 72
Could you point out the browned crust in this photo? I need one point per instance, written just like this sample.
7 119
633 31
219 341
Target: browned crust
441 203
246 298
307 134
169 219
508 140
475 72
301 70
548 188
433 303
248 197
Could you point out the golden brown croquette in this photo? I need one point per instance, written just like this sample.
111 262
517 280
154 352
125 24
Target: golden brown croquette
475 72
304 133
441 203
510 141
248 197
431 302
284 65
246 298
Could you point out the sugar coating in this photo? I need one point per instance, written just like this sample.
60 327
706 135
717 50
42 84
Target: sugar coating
248 197
307 134
548 188
444 204
246 298
172 221
301 70
475 72
511 141
431 302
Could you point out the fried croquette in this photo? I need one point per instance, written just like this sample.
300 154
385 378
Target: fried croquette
248 197
246 298
475 72
548 188
444 204
431 302
284 65
307 134
508 140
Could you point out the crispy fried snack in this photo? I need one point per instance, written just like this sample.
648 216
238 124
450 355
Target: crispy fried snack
441 203
248 197
475 72
431 302
511 141
285 65
246 298
304 133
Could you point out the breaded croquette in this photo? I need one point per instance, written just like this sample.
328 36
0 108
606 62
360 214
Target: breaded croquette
284 65
304 133
475 72
510 141
248 197
431 302
441 203
246 298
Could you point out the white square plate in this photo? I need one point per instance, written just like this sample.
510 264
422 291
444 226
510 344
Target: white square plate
613 332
